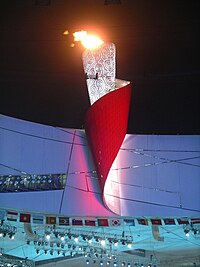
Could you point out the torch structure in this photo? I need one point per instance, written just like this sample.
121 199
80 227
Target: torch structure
107 118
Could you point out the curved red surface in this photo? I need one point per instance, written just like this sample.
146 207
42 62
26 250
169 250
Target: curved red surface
106 126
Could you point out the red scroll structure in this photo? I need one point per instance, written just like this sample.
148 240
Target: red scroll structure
106 126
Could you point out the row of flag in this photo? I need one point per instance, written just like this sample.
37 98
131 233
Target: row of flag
91 221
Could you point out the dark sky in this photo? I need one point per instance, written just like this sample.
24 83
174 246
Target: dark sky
157 42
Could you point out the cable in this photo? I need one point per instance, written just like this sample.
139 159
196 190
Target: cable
63 130
133 200
40 137
96 178
152 203
152 188
126 199
69 161
148 164
159 150
166 160
14 169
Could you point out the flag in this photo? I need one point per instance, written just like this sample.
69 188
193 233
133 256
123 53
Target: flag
169 221
2 214
129 222
12 216
195 220
183 221
102 222
77 221
156 221
25 218
50 220
63 220
115 222
143 221
37 218
90 221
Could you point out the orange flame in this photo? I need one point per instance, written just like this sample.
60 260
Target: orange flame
87 40
66 32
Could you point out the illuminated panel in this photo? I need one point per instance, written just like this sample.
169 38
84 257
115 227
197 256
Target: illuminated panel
99 67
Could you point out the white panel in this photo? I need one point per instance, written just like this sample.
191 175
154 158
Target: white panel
157 173
37 149
190 187
79 202
47 202
33 148
99 67
150 195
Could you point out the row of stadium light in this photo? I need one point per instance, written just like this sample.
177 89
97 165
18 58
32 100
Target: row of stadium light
120 263
15 183
7 230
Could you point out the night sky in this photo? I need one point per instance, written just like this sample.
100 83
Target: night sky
158 44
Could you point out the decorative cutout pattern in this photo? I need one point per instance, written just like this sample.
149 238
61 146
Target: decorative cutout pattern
99 67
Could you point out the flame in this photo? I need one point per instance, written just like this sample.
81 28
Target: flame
66 32
79 36
87 40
